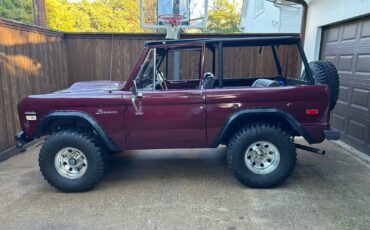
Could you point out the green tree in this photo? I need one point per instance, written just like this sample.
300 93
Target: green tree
224 16
110 15
19 10
94 16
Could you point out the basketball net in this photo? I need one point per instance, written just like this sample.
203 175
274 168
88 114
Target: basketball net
172 24
172 32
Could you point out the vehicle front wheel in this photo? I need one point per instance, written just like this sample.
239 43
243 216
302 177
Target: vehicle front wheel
261 155
71 161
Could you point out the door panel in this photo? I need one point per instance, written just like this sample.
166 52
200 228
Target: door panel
171 119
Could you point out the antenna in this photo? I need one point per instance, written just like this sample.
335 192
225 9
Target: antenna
111 63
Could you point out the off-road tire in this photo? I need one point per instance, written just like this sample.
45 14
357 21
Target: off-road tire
104 152
324 72
248 135
107 160
85 143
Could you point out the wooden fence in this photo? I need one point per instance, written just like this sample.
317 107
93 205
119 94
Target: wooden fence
36 60
32 60
89 56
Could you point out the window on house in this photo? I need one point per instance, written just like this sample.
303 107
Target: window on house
259 6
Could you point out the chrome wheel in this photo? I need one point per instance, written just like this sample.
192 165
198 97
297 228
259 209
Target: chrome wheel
70 163
262 157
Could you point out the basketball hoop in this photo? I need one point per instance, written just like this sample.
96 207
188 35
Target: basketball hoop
172 24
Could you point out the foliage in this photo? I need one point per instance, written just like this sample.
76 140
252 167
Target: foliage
110 15
19 10
124 16
94 16
223 16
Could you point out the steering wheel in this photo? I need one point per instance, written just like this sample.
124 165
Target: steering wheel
158 80
161 80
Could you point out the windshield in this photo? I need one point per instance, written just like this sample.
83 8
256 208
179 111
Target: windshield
145 80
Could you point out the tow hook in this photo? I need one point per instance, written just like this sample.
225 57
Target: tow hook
310 149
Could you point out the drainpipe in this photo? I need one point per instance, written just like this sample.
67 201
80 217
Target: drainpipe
304 16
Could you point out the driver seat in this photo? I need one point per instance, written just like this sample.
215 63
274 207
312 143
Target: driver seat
209 80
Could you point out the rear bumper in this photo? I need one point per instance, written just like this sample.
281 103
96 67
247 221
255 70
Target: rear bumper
332 134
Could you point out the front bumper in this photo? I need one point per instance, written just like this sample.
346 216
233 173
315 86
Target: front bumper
21 139
332 134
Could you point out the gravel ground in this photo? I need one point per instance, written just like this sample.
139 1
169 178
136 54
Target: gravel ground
190 189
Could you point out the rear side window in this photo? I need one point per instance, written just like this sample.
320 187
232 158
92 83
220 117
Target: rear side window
257 62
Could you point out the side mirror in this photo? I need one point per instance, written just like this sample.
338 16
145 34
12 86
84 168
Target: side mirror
136 94
134 90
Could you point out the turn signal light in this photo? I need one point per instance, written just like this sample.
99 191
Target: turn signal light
312 112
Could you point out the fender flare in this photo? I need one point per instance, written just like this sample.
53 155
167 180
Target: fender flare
262 111
109 143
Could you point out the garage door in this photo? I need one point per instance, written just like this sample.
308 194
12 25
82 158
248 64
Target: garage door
347 45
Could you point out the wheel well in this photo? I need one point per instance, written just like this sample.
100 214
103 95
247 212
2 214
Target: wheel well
242 121
59 123
62 120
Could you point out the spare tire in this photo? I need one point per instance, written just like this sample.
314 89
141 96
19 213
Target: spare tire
324 72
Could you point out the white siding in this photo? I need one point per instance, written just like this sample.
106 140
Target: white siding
273 18
324 12
290 21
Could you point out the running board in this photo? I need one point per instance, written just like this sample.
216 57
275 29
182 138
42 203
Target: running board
310 149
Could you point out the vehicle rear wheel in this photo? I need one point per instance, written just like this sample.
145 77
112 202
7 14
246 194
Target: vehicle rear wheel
325 72
106 159
261 155
71 161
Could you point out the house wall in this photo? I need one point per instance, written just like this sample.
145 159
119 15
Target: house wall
291 18
324 12
273 19
264 22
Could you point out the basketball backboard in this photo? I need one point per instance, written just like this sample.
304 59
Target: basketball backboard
194 13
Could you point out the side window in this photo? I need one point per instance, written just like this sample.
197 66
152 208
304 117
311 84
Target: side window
184 64
259 7
260 62
166 69
182 67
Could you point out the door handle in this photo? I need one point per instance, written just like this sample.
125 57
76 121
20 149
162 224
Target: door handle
138 109
139 95
201 94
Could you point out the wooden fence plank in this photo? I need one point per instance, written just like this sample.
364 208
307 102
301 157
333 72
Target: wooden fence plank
3 75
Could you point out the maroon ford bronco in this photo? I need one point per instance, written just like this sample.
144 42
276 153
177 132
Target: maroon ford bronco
164 105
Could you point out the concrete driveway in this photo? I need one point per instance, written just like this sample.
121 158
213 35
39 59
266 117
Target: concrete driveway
183 189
